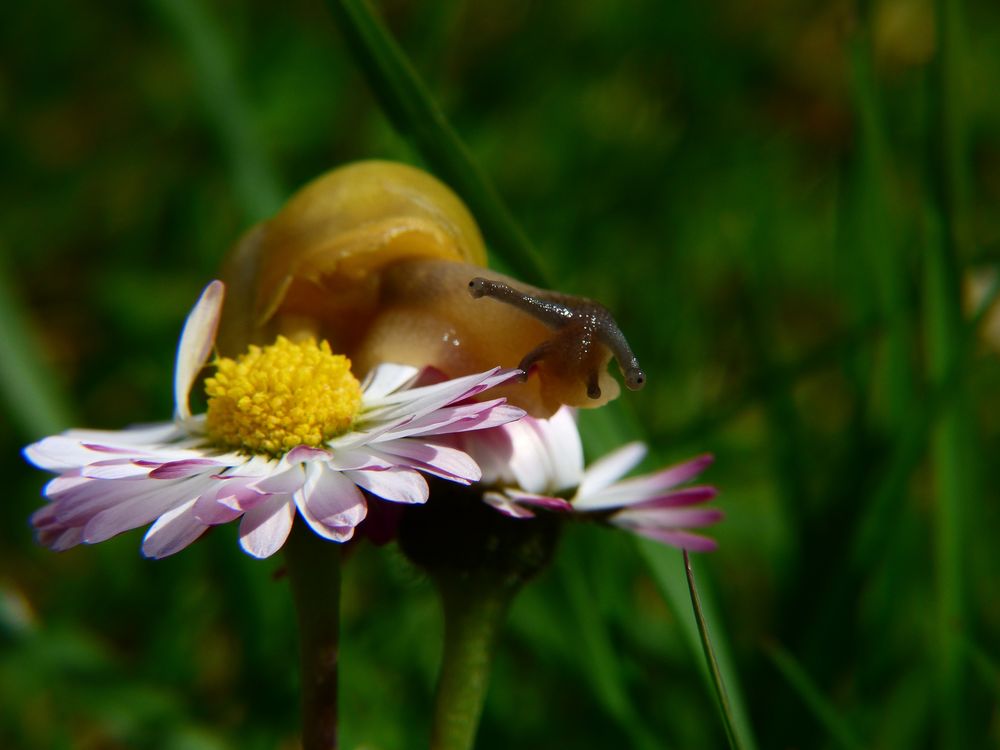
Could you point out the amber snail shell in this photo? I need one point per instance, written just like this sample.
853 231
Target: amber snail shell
377 258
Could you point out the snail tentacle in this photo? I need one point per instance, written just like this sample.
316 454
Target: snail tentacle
533 357
577 319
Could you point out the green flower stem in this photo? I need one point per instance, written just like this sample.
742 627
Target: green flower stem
474 612
479 560
314 571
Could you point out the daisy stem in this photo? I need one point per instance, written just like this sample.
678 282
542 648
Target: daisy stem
474 612
314 571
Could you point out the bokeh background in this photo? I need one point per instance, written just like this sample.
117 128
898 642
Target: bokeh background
781 201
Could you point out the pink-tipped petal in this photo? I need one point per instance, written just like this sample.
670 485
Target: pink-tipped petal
397 485
680 539
60 453
140 510
439 460
283 482
196 344
357 460
330 503
607 470
62 539
304 454
121 468
77 504
493 451
265 528
676 498
546 502
478 415
506 506
225 501
666 479
185 468
418 402
676 518
172 532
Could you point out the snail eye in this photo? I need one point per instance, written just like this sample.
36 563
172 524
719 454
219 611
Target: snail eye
635 379
477 287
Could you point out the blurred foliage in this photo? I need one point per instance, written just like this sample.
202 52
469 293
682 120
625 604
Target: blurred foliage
757 189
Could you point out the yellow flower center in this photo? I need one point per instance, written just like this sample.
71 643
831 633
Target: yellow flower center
272 399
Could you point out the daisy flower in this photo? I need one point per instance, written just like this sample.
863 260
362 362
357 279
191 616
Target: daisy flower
537 464
287 429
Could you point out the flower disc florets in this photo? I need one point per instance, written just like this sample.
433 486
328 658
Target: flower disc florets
274 398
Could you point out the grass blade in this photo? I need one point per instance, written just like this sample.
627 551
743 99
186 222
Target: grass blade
813 697
602 664
953 450
28 387
257 187
408 103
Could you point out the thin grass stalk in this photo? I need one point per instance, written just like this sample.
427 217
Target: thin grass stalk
721 693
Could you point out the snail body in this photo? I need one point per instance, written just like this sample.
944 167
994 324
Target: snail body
386 263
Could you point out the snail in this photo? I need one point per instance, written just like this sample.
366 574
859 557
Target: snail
386 263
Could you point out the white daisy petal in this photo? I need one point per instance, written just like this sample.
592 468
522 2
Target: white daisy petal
123 468
651 485
563 445
672 518
608 469
225 501
282 482
172 532
357 460
676 538
77 504
540 501
330 503
453 419
195 346
507 506
420 401
439 460
397 485
70 451
137 511
265 528
530 462
386 379
136 436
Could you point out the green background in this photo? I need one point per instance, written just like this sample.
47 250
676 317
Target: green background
779 200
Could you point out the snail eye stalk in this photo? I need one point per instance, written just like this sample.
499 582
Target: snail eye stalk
580 325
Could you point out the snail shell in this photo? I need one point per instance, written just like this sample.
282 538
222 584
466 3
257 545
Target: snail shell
377 258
